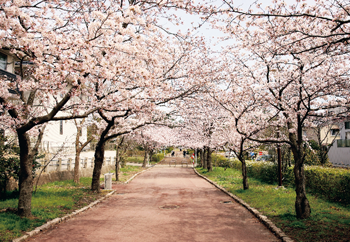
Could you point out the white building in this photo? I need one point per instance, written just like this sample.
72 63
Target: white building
61 135
57 133
339 153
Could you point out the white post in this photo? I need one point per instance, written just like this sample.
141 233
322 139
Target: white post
59 164
69 163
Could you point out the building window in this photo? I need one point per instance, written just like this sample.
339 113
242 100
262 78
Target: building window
347 125
61 127
334 132
3 61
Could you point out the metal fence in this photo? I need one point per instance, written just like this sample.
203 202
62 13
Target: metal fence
343 143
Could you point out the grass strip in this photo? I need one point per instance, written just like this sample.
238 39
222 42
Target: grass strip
138 159
126 173
328 222
51 201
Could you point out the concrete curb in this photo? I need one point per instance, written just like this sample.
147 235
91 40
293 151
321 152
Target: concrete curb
130 179
59 220
68 216
268 223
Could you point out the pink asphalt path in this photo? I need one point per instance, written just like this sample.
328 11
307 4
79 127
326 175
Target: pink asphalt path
135 213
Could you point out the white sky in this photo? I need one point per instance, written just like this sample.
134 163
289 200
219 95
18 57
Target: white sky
206 29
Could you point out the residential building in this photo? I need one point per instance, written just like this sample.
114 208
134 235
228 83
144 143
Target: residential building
339 153
57 133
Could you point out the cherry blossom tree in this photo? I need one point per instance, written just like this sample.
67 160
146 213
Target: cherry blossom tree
147 139
283 87
202 121
123 144
73 55
79 146
240 145
304 26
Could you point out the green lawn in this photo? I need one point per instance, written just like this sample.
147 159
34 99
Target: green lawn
51 201
134 159
328 222
137 159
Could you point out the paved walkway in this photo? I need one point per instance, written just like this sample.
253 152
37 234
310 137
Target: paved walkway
163 204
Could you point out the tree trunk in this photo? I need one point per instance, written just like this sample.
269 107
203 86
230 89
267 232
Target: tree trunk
205 156
244 175
99 156
145 158
117 161
209 160
150 154
4 186
76 166
302 206
25 176
201 157
122 162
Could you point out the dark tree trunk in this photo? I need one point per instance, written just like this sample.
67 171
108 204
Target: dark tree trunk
323 154
117 161
25 176
201 157
145 158
99 156
302 206
209 160
244 175
4 186
150 154
205 157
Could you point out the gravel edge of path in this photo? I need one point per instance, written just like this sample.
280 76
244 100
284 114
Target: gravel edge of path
55 221
268 223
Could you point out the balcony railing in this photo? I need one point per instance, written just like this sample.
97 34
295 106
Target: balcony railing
7 74
343 143
11 77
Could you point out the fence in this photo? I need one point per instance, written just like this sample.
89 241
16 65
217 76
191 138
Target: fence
61 164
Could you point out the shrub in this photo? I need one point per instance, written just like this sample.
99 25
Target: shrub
331 183
220 161
9 164
157 157
169 149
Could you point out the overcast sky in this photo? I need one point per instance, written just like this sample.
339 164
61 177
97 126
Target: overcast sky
207 30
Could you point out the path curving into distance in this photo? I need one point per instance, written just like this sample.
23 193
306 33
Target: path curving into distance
163 204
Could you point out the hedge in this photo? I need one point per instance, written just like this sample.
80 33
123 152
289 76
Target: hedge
157 157
331 183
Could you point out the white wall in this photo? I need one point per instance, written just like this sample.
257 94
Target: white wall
339 156
53 139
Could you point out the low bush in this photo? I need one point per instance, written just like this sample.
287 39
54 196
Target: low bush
331 183
157 157
221 161
169 149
